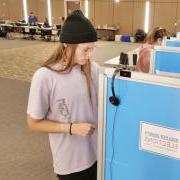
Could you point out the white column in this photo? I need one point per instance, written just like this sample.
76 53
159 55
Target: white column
25 10
49 12
86 4
146 20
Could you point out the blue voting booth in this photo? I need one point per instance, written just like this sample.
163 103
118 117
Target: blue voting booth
166 60
173 43
141 135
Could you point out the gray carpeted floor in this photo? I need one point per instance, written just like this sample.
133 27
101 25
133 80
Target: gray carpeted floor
107 50
20 62
14 43
24 155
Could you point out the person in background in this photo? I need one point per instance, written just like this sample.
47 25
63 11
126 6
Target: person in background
32 19
62 21
46 23
154 38
174 34
140 36
63 101
60 26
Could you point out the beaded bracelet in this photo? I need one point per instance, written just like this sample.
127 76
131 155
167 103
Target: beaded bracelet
70 129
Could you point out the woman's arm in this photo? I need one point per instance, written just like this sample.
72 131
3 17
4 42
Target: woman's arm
48 126
41 125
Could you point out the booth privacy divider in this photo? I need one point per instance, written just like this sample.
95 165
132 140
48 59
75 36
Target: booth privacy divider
166 61
140 138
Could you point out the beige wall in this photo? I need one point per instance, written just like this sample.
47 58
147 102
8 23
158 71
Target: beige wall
123 16
161 15
57 11
138 15
11 9
39 8
127 14
4 14
178 16
102 12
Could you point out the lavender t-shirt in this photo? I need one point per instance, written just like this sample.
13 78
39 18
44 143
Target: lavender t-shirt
64 98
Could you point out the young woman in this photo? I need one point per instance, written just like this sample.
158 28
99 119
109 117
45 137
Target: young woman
154 38
63 101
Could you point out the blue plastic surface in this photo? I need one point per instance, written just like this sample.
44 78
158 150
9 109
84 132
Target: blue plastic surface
167 61
173 43
139 102
125 38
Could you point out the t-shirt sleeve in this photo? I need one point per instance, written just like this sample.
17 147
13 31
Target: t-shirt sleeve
38 103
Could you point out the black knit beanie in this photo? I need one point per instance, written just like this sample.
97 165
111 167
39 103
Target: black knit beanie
77 29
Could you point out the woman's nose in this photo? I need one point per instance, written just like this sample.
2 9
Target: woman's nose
89 54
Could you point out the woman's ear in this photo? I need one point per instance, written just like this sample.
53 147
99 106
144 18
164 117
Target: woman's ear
159 41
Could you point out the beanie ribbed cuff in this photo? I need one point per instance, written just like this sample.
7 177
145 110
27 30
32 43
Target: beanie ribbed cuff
77 38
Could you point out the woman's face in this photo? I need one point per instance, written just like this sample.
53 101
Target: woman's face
83 53
159 41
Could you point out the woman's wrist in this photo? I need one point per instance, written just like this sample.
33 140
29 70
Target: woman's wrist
70 128
64 128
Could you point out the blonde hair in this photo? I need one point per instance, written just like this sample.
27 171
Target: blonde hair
64 54
157 33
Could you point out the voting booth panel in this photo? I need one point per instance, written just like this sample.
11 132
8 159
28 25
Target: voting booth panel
142 134
173 43
166 61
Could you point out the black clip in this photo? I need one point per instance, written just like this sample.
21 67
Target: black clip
123 59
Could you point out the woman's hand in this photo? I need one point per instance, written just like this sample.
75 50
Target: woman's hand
82 129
